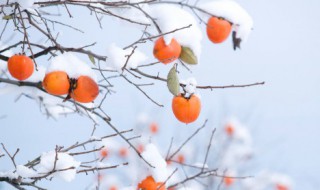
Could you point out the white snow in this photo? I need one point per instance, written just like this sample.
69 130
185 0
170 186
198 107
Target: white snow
9 174
233 12
25 3
169 18
26 172
72 65
191 85
64 161
152 155
117 58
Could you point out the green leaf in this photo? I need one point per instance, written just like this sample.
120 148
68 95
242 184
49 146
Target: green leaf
92 59
188 56
173 81
7 17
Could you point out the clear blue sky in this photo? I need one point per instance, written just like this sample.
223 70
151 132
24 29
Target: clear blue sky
283 115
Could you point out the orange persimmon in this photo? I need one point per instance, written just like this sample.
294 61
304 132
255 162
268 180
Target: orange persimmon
150 184
228 181
20 67
154 128
229 129
104 152
56 83
218 29
166 53
186 110
85 90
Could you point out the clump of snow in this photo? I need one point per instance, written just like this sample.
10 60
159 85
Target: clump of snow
233 12
25 3
9 174
95 138
191 85
117 58
169 18
152 155
26 172
64 161
72 65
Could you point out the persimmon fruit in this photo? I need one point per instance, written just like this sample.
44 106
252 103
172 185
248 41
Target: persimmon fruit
20 67
282 187
186 110
85 90
123 152
104 152
56 83
181 158
228 181
154 128
150 184
166 53
218 29
229 129
113 188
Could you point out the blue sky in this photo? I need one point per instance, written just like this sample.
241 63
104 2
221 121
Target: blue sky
283 115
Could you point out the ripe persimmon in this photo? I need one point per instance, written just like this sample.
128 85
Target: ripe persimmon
123 152
181 159
85 90
113 188
104 152
282 187
228 181
150 184
166 53
20 67
229 129
218 29
56 83
186 110
154 128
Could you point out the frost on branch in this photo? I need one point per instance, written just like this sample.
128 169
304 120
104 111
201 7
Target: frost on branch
67 165
119 58
190 85
72 65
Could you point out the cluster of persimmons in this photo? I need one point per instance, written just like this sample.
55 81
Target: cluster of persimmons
187 109
83 89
